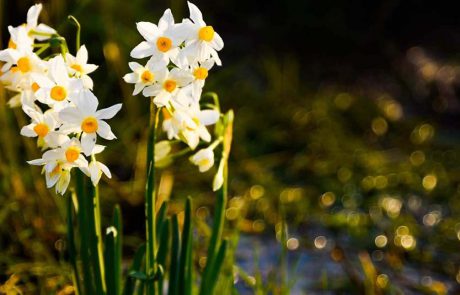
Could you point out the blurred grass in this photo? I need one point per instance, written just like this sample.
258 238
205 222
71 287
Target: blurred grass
350 152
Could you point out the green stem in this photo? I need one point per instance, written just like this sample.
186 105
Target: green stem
216 142
216 237
97 229
72 249
33 32
181 153
150 215
82 218
77 41
42 49
215 98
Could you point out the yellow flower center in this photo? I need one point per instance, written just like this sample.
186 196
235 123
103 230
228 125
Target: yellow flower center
77 68
147 76
24 64
164 44
58 93
206 33
72 154
11 44
14 69
204 162
170 85
89 125
35 87
201 73
41 129
56 169
166 114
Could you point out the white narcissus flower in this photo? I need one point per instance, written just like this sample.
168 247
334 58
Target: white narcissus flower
200 72
19 67
95 171
43 126
201 118
190 124
20 39
202 41
32 25
162 150
58 163
145 76
78 66
58 89
67 156
204 159
86 119
162 41
169 87
218 180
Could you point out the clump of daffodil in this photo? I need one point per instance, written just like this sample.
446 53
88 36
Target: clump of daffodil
180 56
55 92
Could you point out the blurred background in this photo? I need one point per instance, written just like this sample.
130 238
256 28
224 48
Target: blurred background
346 134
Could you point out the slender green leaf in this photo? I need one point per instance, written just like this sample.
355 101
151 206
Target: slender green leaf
186 251
135 267
214 274
150 201
109 256
112 255
175 248
216 236
82 216
161 217
72 248
163 248
118 224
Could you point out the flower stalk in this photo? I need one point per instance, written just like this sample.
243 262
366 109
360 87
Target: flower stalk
150 214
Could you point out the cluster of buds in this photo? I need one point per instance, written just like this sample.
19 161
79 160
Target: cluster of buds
55 91
180 57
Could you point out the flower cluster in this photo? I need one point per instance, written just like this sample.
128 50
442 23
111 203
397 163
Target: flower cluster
55 92
180 57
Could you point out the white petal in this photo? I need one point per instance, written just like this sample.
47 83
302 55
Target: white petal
98 149
218 178
82 55
86 102
105 169
58 70
88 141
28 131
95 172
166 20
195 14
217 43
71 115
89 68
42 28
87 82
208 117
108 113
134 66
37 162
32 15
152 90
148 30
131 78
104 130
142 50
138 88
204 133
162 98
